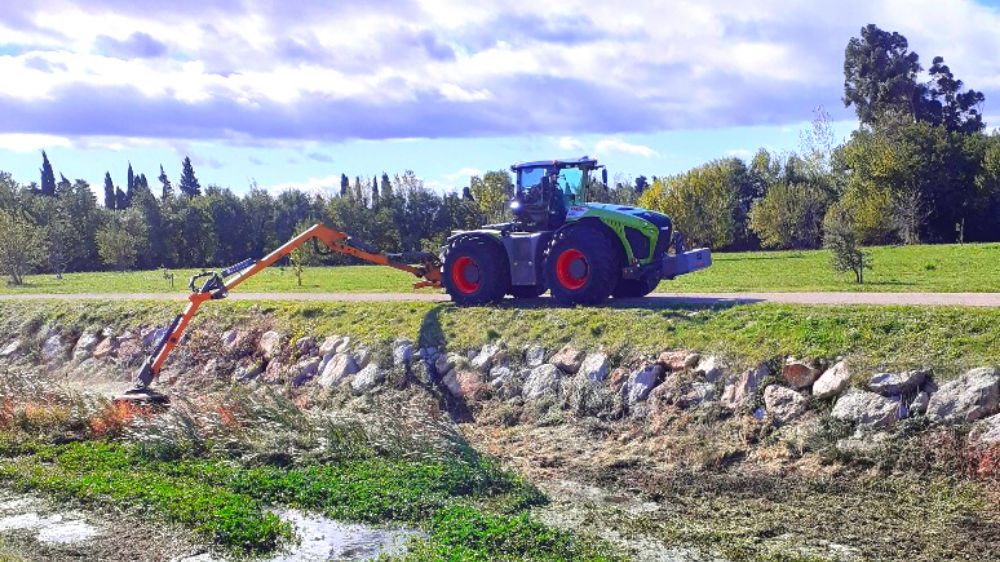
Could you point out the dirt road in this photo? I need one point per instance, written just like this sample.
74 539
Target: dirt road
656 300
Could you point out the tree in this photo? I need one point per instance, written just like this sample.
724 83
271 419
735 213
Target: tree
189 183
345 185
789 216
121 199
130 184
374 191
880 74
493 192
22 246
386 187
116 245
109 192
840 237
48 177
946 104
166 190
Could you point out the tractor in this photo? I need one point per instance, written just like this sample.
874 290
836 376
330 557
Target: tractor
581 252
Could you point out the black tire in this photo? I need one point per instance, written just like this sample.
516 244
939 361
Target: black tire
635 288
476 271
582 265
527 291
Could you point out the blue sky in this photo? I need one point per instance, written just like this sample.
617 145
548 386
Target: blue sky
294 94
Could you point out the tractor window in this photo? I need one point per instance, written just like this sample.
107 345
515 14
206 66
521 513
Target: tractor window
570 181
530 177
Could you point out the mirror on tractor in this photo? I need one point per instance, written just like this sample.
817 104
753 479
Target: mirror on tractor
604 176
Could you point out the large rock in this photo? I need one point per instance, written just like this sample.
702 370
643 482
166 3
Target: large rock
568 359
247 372
231 338
799 374
305 370
709 368
491 354
505 382
595 367
642 382
402 352
332 345
10 349
465 383
894 384
973 396
741 388
542 381
337 369
270 344
918 406
678 360
150 338
305 345
783 403
986 432
867 408
534 355
362 355
105 348
53 348
832 382
274 372
85 346
367 379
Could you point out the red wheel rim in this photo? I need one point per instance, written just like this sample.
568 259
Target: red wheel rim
566 263
465 275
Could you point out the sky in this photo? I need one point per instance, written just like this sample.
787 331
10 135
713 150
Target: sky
292 94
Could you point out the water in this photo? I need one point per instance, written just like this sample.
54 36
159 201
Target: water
326 539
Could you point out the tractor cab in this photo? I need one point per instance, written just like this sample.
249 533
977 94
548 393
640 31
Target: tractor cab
546 189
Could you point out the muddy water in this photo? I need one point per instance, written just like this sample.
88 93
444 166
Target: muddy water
327 539
22 514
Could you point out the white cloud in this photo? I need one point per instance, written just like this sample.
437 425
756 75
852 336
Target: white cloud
742 153
570 144
17 142
463 174
616 145
329 185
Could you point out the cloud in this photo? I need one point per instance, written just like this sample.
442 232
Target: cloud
329 185
320 157
17 142
570 144
616 145
315 70
741 153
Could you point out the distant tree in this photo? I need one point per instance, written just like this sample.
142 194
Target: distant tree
22 246
467 194
946 104
62 237
386 187
492 192
116 245
48 179
641 183
121 199
189 183
374 191
345 185
130 184
166 190
789 216
844 243
880 74
110 201
64 186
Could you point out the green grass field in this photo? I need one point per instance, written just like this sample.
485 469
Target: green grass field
942 268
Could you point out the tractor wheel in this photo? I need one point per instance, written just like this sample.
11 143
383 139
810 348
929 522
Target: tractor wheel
527 291
581 265
476 272
635 288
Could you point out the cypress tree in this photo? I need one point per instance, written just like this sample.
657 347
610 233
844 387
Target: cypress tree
374 191
121 199
48 177
345 184
168 190
109 192
130 186
386 187
189 183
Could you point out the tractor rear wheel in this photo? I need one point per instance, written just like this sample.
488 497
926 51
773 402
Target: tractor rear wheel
527 291
476 271
581 265
635 288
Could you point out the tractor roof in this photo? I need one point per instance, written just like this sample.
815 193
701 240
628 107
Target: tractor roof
584 161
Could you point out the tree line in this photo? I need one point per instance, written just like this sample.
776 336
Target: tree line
919 169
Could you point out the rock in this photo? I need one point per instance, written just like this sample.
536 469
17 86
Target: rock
211 369
53 348
270 344
918 406
697 394
305 345
832 382
618 378
894 384
305 370
151 338
568 359
367 379
10 349
247 372
709 368
402 352
799 374
105 348
681 393
505 382
986 432
741 388
784 404
678 360
534 356
491 354
469 382
541 382
642 382
498 375
85 346
450 381
595 367
230 338
337 369
973 396
274 373
443 364
332 345
867 408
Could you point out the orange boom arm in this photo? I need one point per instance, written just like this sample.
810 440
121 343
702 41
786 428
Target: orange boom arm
218 285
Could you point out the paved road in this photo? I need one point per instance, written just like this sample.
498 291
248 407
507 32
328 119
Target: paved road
652 301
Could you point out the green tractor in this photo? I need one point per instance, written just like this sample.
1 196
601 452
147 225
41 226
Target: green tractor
581 252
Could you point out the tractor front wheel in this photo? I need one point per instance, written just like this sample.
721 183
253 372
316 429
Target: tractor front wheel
581 266
476 272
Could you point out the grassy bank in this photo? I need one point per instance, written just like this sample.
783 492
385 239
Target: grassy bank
947 339
939 268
